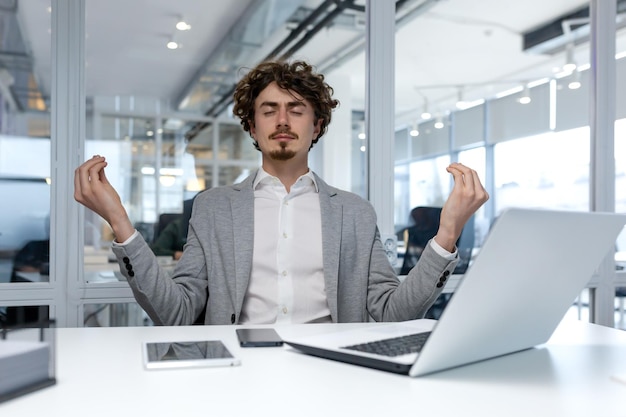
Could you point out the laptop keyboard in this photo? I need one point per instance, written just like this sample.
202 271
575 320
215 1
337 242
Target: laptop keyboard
395 346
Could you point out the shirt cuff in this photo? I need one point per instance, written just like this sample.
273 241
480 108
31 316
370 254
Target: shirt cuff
127 241
442 252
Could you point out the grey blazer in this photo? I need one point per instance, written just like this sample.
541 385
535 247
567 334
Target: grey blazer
217 261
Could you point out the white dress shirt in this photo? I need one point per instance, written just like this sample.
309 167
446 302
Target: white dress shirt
287 279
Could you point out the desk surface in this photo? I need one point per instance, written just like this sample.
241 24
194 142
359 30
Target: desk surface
100 373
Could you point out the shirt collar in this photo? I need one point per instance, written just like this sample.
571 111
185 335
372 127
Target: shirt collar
263 176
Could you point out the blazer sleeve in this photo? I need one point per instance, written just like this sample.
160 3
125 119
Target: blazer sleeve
388 300
165 300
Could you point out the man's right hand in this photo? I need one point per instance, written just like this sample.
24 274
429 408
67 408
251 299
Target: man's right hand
93 190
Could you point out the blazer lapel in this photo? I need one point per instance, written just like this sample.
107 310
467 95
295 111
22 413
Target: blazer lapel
242 204
332 214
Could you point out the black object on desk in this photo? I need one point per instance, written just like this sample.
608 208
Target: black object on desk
258 337
27 358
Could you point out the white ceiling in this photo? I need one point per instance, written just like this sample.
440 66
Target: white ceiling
476 44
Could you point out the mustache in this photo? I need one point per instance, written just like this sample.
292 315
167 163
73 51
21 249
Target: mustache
283 132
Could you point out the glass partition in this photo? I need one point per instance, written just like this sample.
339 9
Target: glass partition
524 128
24 149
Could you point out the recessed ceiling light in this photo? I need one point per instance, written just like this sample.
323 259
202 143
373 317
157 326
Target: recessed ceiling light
182 25
172 45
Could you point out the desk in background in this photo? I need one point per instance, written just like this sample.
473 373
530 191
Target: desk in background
100 373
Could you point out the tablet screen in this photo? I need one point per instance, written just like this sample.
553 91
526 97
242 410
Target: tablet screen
187 354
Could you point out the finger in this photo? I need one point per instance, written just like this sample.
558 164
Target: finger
476 181
89 174
469 176
82 176
95 174
458 174
480 189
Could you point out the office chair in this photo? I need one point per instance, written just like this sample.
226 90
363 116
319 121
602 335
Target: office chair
164 220
425 225
167 218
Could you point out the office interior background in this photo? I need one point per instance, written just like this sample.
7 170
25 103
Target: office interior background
503 86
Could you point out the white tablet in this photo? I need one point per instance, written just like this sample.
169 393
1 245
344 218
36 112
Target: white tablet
194 354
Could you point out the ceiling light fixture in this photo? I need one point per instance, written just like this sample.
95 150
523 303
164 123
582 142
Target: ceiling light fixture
439 123
461 104
525 97
182 25
574 83
570 64
414 132
167 180
425 113
172 44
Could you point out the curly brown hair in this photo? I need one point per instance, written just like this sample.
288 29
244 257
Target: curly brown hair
297 76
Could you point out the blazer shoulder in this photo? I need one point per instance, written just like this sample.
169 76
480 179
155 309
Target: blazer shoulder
227 190
351 202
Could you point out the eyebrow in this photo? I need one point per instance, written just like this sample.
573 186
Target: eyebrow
290 105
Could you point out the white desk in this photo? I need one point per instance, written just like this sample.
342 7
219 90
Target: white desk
100 373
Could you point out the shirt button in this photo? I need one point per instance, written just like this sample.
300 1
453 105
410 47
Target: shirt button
284 273
285 235
285 310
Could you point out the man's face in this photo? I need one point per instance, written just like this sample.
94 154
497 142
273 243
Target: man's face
284 123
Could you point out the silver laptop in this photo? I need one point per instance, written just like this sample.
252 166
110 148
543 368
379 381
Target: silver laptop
532 266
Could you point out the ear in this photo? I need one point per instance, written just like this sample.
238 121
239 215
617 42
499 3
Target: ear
318 128
252 128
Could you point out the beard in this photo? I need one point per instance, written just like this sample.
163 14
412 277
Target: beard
282 154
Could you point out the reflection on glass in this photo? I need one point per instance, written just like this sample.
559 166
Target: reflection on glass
420 183
235 144
176 351
402 206
557 180
24 220
430 182
115 315
23 315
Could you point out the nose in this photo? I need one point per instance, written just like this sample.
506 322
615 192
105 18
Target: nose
283 117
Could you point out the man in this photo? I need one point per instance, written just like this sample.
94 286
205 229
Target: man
282 246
